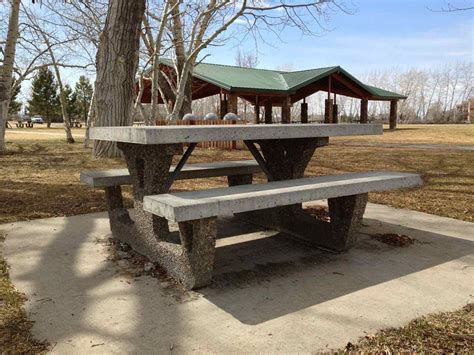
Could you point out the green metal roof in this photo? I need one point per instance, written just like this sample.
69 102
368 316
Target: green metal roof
234 78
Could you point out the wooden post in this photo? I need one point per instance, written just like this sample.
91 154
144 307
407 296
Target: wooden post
223 107
393 114
364 111
268 112
304 112
328 113
232 103
286 110
256 111
334 111
329 87
328 104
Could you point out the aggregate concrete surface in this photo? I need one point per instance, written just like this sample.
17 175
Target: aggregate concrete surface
269 294
202 133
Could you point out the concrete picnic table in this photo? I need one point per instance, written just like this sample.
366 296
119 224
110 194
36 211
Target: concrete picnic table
285 151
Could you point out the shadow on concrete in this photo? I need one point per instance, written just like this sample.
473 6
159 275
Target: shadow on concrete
265 277
72 289
260 280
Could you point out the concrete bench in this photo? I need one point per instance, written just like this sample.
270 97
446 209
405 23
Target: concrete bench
274 204
234 170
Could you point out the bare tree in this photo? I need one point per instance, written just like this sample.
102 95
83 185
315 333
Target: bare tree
83 20
6 70
117 60
196 25
451 7
246 59
193 26
62 95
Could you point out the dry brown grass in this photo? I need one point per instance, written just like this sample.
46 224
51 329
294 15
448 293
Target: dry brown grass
459 134
448 332
40 178
448 175
40 132
15 328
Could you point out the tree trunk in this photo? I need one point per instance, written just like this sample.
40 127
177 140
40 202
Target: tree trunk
155 88
64 107
117 60
62 95
3 123
186 106
91 116
6 70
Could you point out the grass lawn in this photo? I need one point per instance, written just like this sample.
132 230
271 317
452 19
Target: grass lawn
462 134
40 179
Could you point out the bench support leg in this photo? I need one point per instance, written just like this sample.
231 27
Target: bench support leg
337 235
191 261
235 180
346 215
198 240
285 160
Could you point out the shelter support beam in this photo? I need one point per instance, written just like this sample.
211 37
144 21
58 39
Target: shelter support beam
232 103
393 114
328 111
268 112
335 112
223 106
304 112
364 111
256 111
286 110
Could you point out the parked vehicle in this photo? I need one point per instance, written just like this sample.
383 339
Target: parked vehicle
24 119
37 119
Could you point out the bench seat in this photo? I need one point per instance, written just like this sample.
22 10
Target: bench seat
195 205
117 177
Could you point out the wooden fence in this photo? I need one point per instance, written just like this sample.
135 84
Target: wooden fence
229 145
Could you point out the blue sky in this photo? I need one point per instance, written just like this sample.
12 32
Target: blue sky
380 34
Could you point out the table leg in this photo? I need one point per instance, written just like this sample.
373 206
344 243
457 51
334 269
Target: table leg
198 239
235 180
288 159
187 257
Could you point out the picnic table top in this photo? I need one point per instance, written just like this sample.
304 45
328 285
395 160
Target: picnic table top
208 133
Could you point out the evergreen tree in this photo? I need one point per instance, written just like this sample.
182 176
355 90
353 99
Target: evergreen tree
83 91
15 105
44 97
72 102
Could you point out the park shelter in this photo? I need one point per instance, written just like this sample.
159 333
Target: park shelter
276 88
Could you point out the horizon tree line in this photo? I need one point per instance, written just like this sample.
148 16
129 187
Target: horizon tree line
44 99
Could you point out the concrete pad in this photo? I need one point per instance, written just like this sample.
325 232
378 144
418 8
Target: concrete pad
270 294
212 133
192 205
